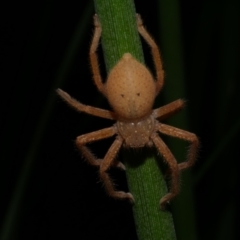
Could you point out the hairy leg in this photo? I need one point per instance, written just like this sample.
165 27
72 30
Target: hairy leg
155 54
174 170
82 140
104 167
93 56
85 108
187 136
168 110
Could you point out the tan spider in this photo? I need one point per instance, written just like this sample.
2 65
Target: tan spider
131 91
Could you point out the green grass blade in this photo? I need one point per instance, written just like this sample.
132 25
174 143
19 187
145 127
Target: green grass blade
119 35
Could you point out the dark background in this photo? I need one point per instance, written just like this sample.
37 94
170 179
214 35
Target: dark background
47 189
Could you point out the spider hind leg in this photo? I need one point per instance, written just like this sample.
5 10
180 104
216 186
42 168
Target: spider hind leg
104 167
174 170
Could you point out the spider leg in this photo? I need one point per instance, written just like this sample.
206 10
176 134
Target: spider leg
187 136
104 167
155 53
174 170
92 137
85 108
93 56
169 109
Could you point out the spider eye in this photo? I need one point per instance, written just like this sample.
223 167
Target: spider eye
138 94
122 95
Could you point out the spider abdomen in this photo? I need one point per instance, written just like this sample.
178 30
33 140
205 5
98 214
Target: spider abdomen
130 88
136 134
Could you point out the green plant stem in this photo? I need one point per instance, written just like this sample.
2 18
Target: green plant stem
146 183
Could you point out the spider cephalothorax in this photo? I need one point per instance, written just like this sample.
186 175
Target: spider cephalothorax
131 90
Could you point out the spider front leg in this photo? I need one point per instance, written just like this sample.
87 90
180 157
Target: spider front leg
155 53
187 136
174 170
93 55
82 140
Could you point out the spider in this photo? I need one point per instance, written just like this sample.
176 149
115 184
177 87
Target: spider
131 91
